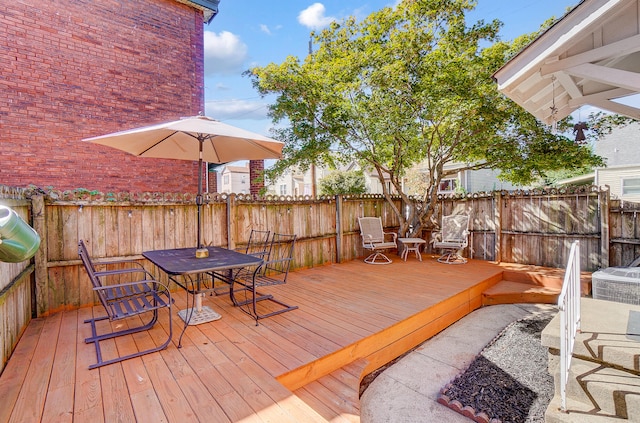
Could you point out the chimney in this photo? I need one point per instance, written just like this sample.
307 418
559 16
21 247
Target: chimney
256 176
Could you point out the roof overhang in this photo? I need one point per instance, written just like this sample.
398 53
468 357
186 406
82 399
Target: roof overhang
588 178
591 56
209 8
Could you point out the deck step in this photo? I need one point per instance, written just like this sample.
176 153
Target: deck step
511 292
551 278
609 334
578 413
604 376
542 276
614 392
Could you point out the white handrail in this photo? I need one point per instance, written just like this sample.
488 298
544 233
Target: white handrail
569 308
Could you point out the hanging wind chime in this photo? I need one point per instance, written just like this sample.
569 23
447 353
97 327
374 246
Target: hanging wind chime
554 109
578 130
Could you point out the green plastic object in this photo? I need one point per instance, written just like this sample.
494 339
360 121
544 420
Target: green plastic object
18 240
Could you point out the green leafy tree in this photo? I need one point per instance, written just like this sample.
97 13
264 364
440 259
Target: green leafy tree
407 85
343 182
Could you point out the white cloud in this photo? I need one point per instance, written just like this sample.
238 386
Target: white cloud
224 53
236 109
313 17
264 28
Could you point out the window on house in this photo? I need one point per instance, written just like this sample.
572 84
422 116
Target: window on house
447 185
225 180
630 186
283 189
244 180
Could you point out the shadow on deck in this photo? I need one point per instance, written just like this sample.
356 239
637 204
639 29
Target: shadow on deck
304 365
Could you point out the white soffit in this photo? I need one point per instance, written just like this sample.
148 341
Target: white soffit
591 56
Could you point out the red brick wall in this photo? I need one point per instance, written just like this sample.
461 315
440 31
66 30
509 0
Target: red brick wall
72 69
213 181
256 176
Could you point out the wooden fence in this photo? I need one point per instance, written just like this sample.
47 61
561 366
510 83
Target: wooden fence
16 285
536 227
123 230
523 227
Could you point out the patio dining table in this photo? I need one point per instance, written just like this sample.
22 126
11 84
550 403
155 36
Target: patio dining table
190 273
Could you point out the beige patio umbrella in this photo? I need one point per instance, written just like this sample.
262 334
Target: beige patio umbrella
194 138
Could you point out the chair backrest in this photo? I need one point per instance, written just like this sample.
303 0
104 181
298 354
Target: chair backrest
455 228
91 271
280 256
371 229
258 244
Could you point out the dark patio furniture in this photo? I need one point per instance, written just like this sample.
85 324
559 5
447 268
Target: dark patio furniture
189 272
273 271
142 297
257 246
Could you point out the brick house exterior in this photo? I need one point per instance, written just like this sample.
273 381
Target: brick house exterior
73 69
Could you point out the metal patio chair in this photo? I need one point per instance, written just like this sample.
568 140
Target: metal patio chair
273 271
374 238
258 246
452 238
142 297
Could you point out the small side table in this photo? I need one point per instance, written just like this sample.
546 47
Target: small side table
411 244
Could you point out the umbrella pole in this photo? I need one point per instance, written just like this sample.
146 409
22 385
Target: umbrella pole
200 251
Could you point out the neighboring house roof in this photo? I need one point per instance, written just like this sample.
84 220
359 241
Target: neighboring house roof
590 56
236 169
588 178
620 147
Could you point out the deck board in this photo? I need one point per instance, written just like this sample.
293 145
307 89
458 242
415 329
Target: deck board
15 372
231 369
30 401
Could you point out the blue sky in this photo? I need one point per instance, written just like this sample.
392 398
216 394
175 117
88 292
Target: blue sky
248 33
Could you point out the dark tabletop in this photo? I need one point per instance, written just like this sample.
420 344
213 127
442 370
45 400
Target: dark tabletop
182 261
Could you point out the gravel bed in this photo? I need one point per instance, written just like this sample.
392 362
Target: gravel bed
508 381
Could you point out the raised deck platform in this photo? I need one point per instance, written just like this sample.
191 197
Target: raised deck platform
305 365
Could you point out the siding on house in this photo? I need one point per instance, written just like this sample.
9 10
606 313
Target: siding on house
484 180
614 178
621 146
621 149
74 69
235 179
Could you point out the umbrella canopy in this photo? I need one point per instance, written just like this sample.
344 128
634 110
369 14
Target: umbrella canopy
182 139
194 138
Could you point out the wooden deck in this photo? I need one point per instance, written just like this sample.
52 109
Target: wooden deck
301 366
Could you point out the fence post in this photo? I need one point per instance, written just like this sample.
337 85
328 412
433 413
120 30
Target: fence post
231 212
339 228
603 200
40 258
497 222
